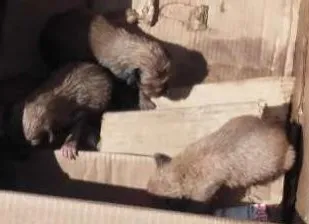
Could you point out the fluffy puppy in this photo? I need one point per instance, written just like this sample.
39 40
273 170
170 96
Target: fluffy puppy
245 151
81 34
73 94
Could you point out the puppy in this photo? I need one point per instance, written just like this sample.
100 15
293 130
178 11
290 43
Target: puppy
245 151
72 95
81 34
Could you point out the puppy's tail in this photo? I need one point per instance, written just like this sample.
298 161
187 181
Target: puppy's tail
289 158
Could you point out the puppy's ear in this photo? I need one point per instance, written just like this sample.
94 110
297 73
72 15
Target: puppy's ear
161 159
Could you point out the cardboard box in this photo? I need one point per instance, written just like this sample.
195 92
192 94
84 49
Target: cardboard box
105 185
244 40
117 181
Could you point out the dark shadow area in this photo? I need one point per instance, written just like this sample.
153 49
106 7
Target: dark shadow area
234 197
124 97
156 4
3 5
15 89
297 219
295 134
41 174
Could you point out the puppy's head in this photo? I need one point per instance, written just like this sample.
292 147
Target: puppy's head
164 182
155 70
36 124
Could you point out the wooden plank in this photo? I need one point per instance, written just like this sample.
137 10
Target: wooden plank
273 90
167 131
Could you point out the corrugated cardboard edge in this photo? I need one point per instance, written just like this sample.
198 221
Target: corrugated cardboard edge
300 61
301 104
300 116
273 90
302 196
17 208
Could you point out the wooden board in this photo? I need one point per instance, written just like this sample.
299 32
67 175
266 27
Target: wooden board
168 130
275 91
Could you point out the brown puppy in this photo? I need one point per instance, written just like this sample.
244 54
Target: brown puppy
245 151
73 93
81 34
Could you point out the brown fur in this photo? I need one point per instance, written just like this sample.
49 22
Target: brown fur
76 90
81 34
245 151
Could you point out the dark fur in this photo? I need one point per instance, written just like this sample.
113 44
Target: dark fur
243 152
71 96
84 35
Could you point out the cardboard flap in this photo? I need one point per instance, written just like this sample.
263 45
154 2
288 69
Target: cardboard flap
116 178
16 208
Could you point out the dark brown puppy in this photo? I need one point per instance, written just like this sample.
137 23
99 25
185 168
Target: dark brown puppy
245 151
72 94
81 34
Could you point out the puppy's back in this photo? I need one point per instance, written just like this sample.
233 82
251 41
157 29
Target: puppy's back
87 84
259 151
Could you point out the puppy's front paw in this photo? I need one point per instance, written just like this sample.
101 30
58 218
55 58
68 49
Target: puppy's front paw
69 150
147 105
145 102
